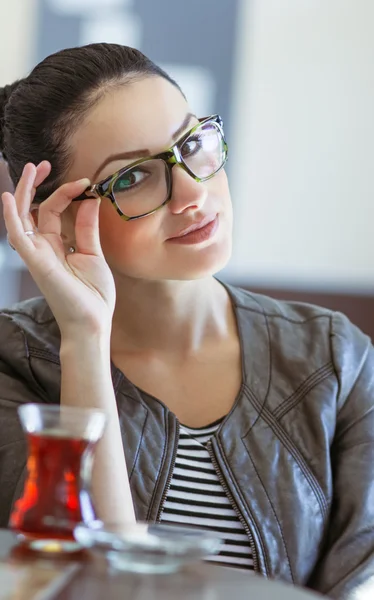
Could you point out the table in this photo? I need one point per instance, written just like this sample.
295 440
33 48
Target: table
92 580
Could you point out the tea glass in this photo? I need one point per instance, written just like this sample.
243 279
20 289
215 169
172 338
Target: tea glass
56 494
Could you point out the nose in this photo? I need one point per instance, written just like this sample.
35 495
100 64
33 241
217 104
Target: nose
188 195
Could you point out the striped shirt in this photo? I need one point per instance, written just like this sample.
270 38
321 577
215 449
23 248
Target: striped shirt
197 498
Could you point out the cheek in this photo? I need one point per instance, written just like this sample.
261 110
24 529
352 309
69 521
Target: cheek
220 193
124 243
221 186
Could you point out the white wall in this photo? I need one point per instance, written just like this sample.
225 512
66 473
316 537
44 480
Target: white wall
18 27
302 161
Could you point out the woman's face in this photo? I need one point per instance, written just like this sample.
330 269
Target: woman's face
145 116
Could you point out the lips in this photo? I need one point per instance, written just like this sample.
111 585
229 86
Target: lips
194 227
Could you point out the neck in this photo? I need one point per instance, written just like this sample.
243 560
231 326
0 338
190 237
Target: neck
173 317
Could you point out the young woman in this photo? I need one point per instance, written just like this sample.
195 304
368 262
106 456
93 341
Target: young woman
227 409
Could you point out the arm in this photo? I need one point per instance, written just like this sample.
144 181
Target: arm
80 292
346 569
86 382
83 383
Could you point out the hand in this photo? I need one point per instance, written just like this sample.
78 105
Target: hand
78 287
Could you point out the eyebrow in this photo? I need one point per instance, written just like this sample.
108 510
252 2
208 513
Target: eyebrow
143 152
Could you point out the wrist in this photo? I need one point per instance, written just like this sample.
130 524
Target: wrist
85 335
86 329
83 344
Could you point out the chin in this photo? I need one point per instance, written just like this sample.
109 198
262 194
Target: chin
202 264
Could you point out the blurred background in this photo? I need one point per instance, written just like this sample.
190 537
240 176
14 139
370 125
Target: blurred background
294 82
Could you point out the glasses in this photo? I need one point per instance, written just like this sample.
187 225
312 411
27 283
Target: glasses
145 186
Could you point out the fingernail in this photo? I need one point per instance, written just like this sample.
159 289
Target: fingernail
26 165
84 181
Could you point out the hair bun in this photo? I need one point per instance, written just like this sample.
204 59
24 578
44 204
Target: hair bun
5 94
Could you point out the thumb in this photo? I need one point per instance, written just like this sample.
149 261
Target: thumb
87 227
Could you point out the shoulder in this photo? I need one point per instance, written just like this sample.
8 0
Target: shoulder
28 327
29 353
304 335
34 309
297 312
328 321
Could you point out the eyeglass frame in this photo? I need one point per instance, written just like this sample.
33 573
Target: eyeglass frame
171 157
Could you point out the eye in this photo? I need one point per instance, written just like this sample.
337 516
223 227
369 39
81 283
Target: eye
191 146
129 180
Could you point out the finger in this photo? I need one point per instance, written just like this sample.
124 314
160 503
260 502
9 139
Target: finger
42 171
87 228
16 232
51 209
24 192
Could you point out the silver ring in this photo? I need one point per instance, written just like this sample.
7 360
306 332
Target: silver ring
71 250
30 232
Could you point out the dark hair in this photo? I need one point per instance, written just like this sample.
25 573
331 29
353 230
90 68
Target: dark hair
38 113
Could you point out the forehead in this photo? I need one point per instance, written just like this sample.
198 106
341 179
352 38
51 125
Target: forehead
138 115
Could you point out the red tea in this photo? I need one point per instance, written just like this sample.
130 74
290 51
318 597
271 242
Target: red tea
54 499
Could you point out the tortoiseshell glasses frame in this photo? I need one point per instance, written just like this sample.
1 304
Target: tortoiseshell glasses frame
171 157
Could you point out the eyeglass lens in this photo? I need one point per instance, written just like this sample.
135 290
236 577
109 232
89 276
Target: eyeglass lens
145 187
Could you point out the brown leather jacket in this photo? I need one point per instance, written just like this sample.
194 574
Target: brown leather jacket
295 454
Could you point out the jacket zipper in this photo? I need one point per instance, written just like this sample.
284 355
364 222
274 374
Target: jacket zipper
234 505
170 475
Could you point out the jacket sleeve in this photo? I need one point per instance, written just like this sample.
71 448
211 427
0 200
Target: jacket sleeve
17 386
346 569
